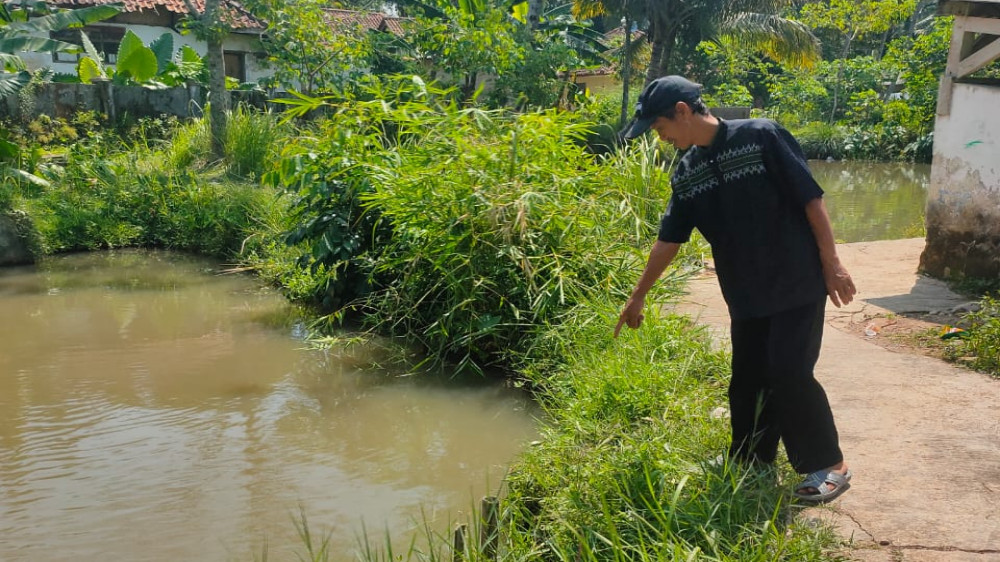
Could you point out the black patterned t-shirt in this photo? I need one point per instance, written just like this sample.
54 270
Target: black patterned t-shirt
746 194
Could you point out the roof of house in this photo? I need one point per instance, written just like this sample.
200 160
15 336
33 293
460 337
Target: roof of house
394 25
238 16
636 33
374 21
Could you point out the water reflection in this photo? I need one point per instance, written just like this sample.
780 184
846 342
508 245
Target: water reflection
874 200
150 411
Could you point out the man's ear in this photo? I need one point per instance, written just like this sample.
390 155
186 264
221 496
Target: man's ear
682 108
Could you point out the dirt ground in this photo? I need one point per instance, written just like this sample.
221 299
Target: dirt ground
915 333
921 435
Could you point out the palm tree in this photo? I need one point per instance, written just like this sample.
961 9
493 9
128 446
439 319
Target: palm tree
751 24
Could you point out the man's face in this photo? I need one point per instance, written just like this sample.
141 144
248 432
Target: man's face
676 131
679 130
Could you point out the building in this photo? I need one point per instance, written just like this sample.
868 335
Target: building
149 19
963 204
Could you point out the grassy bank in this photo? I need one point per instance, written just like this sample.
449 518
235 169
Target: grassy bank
625 471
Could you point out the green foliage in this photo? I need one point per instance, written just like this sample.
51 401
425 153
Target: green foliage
981 339
187 66
729 95
603 112
162 48
135 60
327 176
533 79
138 64
820 140
465 45
857 18
252 141
311 51
922 59
799 96
101 201
808 94
461 228
27 29
624 469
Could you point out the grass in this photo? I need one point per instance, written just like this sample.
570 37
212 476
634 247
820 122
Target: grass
623 469
979 347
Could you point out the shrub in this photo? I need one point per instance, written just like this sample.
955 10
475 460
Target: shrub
821 140
487 224
102 200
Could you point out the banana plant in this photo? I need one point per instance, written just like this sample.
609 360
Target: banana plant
20 31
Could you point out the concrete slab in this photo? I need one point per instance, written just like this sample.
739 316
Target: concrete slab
922 436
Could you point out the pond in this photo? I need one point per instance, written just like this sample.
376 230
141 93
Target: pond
151 409
871 201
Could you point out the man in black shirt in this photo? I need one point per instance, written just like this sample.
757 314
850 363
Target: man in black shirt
745 185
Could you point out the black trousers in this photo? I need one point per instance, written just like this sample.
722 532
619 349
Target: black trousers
773 394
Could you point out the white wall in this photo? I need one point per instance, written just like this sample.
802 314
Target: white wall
148 34
963 199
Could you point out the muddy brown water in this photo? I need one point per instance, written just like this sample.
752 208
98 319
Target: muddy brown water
152 410
871 201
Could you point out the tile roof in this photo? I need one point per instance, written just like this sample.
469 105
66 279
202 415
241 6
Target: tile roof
394 25
373 21
238 16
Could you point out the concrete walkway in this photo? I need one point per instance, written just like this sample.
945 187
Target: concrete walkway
921 436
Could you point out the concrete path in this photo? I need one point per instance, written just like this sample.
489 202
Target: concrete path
921 436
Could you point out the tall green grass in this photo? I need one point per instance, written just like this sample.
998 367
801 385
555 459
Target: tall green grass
253 142
461 229
162 194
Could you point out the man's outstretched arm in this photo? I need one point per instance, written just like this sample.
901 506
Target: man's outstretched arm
659 258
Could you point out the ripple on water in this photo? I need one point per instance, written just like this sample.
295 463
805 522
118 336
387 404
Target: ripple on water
172 420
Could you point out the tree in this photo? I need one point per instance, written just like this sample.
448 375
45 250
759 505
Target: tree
854 19
211 27
313 50
753 24
629 11
20 31
467 41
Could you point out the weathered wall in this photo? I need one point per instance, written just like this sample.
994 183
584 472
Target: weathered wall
63 100
963 199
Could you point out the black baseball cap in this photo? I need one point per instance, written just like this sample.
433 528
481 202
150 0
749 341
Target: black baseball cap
657 98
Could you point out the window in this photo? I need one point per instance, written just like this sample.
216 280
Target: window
236 65
105 40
